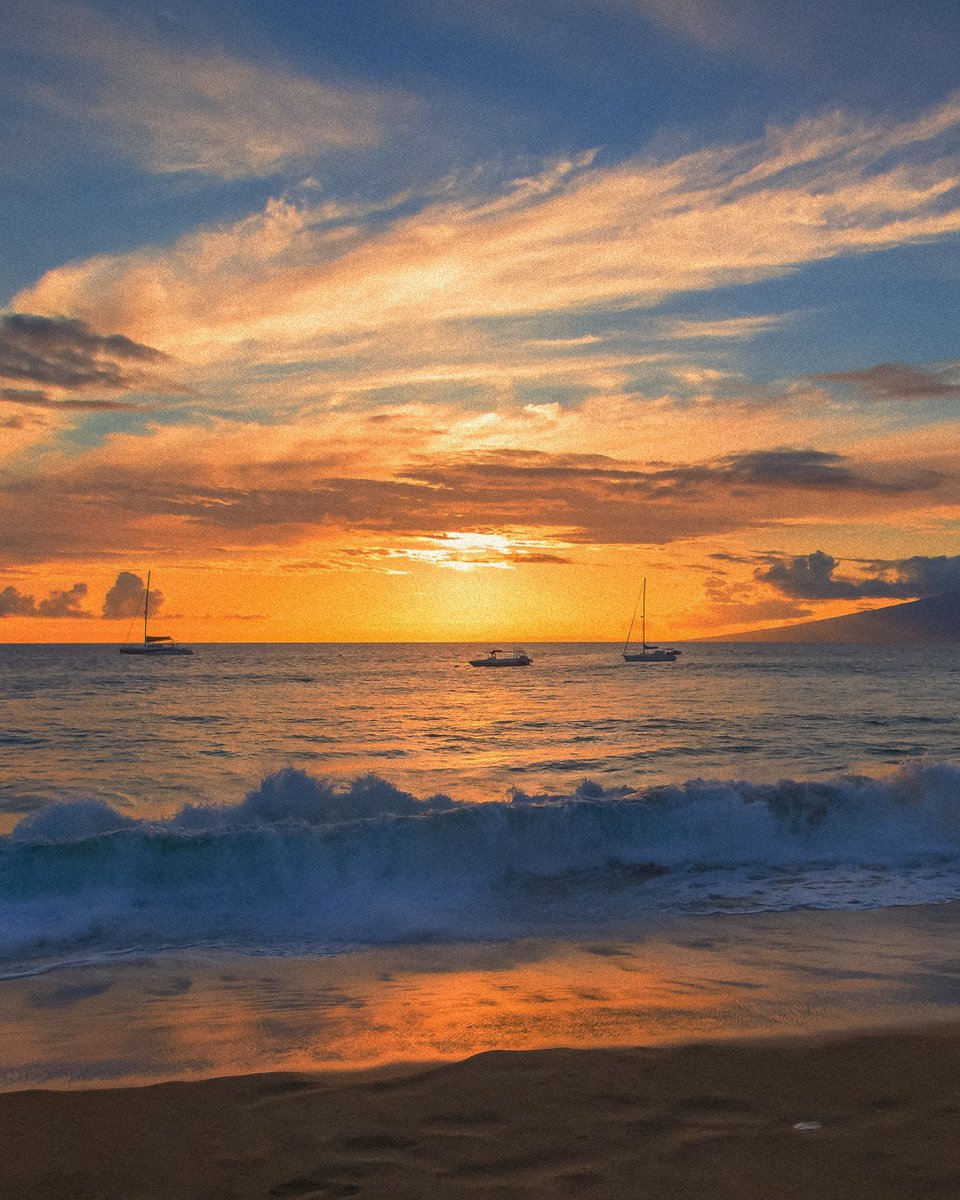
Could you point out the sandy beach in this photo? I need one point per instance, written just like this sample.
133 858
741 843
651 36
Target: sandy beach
873 1115
803 1054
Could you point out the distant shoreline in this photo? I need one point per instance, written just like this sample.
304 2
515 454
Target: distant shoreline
932 620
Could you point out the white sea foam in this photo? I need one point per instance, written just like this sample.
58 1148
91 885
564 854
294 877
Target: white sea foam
303 863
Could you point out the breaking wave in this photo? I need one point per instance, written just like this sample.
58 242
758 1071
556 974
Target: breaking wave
305 864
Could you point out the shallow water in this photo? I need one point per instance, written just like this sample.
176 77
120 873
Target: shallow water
203 1014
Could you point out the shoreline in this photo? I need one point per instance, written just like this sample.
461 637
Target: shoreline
871 1114
177 1016
804 1055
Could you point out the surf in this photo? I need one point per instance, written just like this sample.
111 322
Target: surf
307 864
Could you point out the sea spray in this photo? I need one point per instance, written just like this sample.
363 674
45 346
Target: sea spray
306 864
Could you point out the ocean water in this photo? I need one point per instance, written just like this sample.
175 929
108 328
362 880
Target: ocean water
318 799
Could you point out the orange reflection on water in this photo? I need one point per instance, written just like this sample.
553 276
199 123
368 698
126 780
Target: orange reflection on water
190 1017
196 1016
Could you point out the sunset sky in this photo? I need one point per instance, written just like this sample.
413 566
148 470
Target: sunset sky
414 319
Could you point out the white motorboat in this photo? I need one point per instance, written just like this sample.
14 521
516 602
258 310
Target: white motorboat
158 645
500 658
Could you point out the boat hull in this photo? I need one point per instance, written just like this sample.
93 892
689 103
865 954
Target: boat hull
155 652
500 662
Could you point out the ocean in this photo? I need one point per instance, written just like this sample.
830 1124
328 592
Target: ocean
322 804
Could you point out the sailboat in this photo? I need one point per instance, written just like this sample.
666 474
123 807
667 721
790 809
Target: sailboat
646 654
156 644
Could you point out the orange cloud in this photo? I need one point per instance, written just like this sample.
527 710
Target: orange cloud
298 283
230 488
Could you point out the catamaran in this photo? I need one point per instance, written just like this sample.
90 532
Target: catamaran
157 644
646 654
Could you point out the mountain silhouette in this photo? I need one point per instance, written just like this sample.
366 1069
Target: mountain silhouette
933 619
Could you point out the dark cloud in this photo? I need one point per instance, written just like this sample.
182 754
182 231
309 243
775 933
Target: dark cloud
740 559
899 381
65 353
33 398
538 557
811 577
64 603
814 470
125 598
583 498
29 396
925 576
58 603
799 468
16 604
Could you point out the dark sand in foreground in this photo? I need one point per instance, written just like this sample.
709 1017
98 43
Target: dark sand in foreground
871 1116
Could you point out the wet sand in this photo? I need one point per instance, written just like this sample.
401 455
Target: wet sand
871 1116
714 1058
178 1016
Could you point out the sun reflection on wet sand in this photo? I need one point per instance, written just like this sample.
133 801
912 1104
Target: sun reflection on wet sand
204 1014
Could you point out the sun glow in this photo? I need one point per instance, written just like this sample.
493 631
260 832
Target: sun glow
488 397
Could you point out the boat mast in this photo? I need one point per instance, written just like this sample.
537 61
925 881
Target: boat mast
633 619
643 616
146 605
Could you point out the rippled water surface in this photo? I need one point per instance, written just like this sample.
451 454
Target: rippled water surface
310 799
153 735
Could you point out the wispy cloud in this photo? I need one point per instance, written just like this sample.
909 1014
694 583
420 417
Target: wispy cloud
900 381
305 284
725 328
172 108
455 551
33 398
736 601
